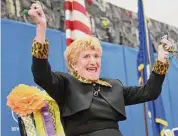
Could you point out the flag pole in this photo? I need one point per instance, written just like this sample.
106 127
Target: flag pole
144 107
149 66
147 39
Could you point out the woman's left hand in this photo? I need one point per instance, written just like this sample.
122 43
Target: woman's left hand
163 53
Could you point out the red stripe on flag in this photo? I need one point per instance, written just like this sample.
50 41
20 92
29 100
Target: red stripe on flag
75 6
69 41
77 25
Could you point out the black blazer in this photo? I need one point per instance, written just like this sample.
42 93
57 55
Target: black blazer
73 96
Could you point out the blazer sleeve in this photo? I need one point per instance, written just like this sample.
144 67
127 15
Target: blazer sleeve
51 82
151 90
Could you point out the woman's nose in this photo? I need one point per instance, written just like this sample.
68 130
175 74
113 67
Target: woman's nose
93 60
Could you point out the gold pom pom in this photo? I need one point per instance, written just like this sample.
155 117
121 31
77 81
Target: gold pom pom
24 99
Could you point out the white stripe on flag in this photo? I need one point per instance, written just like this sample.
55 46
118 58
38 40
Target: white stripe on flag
76 15
75 34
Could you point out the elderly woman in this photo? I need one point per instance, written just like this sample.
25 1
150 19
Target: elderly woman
89 105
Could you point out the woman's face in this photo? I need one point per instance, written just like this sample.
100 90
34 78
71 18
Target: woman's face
88 64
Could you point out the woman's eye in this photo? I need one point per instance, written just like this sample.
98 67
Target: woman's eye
96 56
86 56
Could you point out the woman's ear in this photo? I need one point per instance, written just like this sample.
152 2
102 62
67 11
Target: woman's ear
74 67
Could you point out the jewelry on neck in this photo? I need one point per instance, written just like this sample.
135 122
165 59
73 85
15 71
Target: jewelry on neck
96 92
84 80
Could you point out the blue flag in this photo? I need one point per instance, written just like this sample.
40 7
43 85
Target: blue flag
145 60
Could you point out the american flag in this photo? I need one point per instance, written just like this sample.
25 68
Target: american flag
76 21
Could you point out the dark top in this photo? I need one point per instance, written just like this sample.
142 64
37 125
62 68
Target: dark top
78 105
99 116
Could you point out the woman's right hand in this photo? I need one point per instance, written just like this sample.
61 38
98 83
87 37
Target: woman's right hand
37 14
